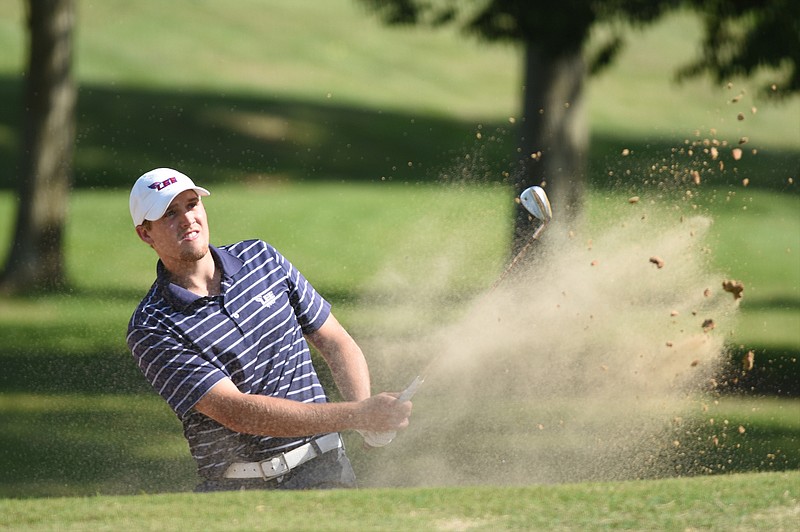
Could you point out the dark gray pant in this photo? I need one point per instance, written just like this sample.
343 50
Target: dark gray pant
328 471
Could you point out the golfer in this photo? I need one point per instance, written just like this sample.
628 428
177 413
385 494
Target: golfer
222 336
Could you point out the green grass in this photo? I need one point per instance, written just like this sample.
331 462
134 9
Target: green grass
327 135
101 442
262 100
82 420
735 502
361 224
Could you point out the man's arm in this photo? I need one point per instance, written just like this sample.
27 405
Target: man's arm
273 416
344 357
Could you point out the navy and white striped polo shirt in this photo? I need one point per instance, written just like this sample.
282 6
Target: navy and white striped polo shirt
251 333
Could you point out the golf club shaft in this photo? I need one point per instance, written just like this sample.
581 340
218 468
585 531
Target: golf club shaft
412 388
534 237
409 392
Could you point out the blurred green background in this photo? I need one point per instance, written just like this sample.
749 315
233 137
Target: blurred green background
332 136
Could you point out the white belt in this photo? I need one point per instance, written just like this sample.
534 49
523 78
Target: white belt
281 464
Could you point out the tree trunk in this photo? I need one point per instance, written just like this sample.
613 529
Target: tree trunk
36 260
554 135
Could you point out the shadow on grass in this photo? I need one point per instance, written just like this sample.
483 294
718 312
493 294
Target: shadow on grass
738 447
774 303
41 371
663 163
777 369
74 445
124 131
776 372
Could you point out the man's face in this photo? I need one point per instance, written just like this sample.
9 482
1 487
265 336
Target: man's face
181 235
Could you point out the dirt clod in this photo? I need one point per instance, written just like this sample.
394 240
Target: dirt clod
748 361
734 287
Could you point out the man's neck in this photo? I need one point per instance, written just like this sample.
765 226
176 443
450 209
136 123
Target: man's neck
200 277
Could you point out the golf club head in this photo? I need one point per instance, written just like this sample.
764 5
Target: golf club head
535 202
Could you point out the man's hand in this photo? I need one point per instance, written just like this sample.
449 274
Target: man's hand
382 439
397 413
383 413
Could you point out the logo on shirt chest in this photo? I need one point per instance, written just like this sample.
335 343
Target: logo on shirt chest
267 299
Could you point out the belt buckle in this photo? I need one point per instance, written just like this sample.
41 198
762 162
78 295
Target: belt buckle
277 464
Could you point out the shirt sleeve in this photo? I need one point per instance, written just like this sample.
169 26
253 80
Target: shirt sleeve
175 371
309 306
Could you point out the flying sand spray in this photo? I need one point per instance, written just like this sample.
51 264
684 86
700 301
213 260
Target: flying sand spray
580 367
535 201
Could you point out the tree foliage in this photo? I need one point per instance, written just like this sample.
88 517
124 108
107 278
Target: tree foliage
740 37
560 30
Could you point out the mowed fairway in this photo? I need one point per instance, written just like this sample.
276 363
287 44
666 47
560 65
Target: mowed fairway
373 159
735 502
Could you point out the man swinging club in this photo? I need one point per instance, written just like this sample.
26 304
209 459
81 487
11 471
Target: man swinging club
222 336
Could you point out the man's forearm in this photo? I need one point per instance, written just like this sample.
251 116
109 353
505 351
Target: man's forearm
345 358
350 374
257 414
273 416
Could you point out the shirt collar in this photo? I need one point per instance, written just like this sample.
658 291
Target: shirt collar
181 298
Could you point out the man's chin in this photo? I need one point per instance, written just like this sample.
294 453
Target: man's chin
194 254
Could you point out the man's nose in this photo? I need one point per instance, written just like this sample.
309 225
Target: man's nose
187 218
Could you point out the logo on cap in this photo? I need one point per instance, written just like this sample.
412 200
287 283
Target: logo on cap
162 184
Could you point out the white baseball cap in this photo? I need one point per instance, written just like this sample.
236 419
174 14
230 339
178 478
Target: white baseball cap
154 191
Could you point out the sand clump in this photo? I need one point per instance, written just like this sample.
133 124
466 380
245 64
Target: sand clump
575 368
734 287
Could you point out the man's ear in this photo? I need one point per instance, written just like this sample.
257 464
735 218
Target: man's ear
144 235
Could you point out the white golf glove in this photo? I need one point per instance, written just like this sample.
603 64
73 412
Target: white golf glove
377 439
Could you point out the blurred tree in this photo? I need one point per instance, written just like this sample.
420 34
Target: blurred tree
743 37
36 259
553 131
